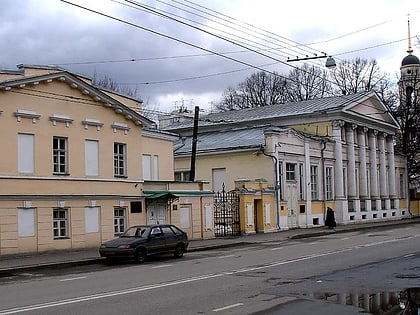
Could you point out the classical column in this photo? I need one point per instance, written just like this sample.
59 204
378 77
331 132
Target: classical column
338 154
382 166
363 182
391 171
341 209
373 168
351 168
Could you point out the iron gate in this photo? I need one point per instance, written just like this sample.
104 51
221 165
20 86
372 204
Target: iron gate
226 213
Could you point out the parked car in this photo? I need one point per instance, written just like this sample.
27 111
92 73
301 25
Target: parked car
138 242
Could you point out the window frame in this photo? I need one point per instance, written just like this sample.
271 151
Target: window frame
62 224
119 218
290 172
120 159
314 182
329 183
60 155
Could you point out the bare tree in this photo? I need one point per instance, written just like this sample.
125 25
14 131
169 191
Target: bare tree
308 82
357 75
260 89
108 83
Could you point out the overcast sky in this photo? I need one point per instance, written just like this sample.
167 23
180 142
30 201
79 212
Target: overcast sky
175 63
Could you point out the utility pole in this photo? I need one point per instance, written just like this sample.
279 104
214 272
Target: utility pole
194 144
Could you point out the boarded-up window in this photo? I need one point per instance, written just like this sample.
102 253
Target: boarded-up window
146 162
92 157
249 214
92 219
209 216
26 222
26 147
184 213
267 209
218 178
156 167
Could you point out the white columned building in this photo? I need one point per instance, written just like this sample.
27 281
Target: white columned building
363 180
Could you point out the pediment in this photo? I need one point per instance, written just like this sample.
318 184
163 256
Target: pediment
81 88
373 109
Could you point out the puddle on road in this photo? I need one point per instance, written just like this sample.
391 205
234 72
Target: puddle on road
405 302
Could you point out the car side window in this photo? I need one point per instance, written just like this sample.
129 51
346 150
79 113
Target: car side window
155 231
167 231
176 230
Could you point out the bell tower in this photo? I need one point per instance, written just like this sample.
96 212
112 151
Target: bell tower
409 84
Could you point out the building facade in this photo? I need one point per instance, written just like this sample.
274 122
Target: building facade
82 165
335 152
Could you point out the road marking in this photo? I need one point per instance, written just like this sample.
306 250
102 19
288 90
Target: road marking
188 280
408 255
71 279
162 266
227 307
105 295
276 248
227 256
345 238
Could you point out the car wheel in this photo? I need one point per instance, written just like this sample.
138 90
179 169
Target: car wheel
141 255
179 251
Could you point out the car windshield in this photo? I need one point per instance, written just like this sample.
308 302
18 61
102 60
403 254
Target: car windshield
135 231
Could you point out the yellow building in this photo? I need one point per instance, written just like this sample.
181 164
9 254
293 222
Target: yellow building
77 163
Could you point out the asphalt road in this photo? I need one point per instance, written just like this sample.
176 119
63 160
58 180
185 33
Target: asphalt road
306 276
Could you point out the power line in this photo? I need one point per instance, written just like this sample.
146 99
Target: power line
174 39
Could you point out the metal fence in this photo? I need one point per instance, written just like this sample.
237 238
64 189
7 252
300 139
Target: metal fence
226 213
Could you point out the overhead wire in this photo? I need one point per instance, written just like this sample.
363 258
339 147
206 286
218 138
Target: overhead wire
242 40
194 45
247 26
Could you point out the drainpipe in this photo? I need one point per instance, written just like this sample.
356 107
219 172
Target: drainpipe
276 182
324 146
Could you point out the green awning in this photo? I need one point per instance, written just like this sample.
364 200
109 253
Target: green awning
162 195
168 194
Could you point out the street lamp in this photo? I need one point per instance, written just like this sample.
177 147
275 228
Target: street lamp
330 63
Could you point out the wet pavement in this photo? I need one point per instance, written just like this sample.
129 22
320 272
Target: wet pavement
63 258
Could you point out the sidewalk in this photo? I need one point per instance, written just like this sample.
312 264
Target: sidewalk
67 258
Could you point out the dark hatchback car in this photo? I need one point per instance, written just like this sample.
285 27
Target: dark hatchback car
138 242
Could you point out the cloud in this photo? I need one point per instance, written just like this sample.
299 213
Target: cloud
166 71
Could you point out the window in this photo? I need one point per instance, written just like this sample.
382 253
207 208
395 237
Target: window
314 182
60 223
156 167
60 155
91 219
182 176
120 159
26 156
290 171
92 157
402 185
119 220
218 178
167 231
146 162
328 183
26 222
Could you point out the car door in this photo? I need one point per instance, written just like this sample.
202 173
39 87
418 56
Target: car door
171 238
156 241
